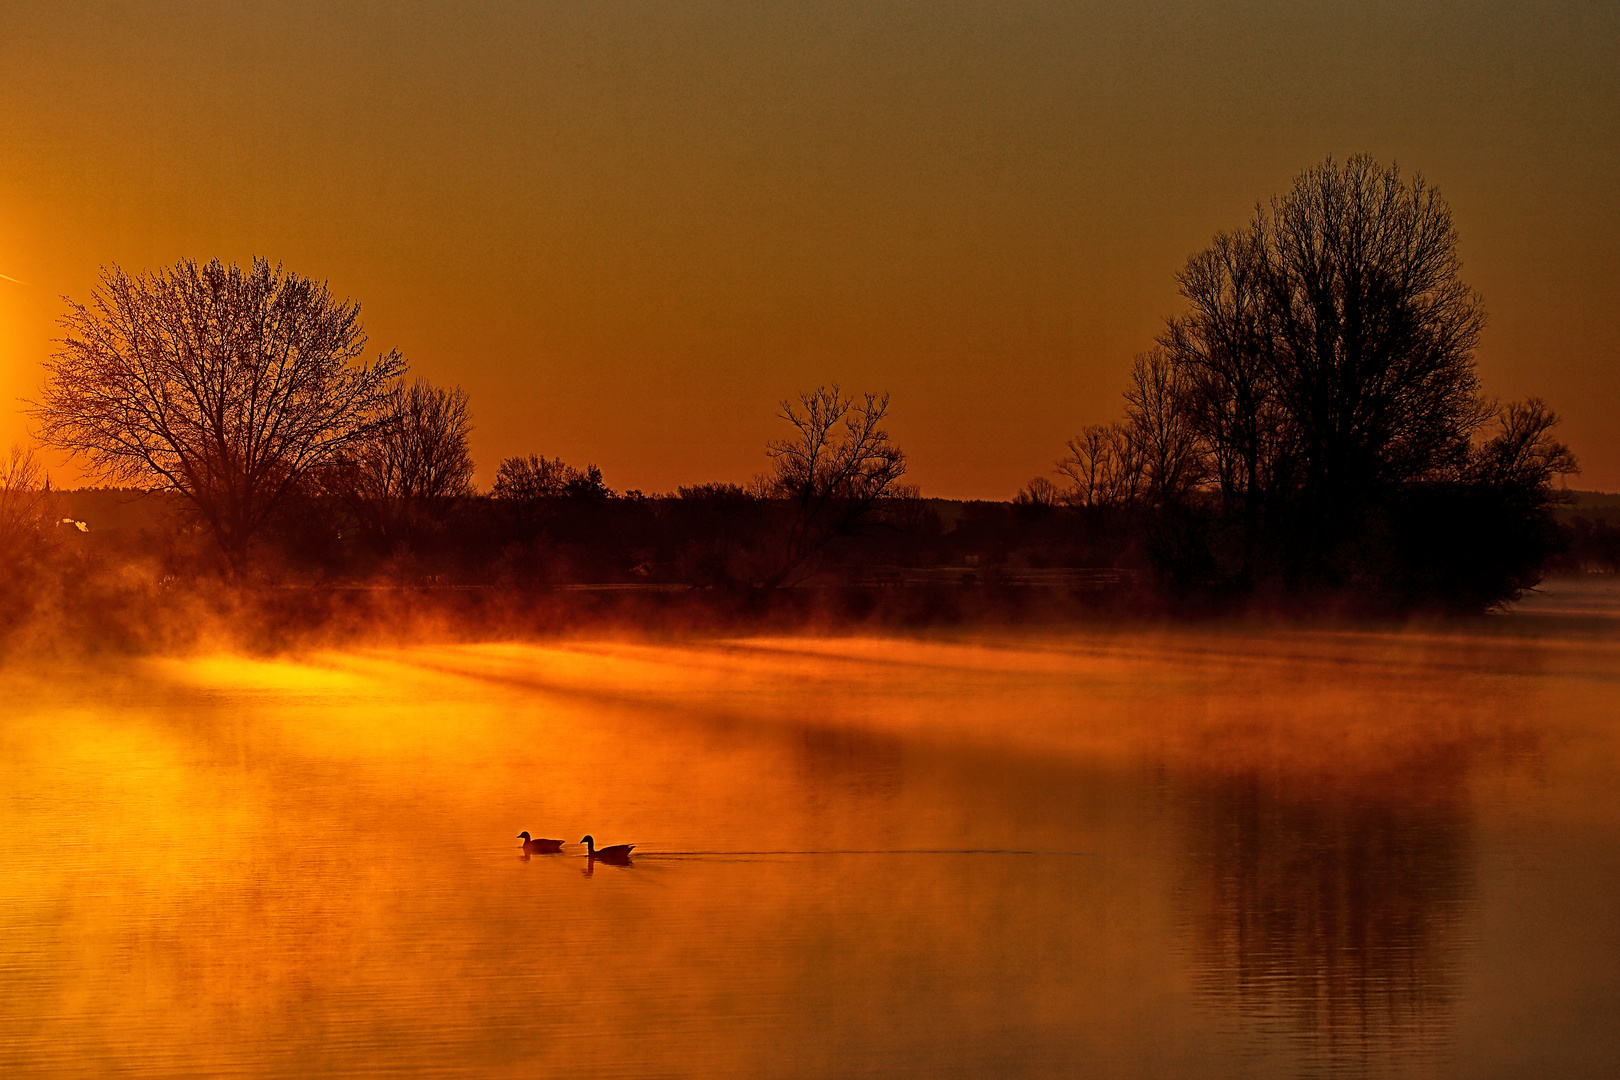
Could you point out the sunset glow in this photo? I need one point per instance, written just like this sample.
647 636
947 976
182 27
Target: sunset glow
989 539
630 230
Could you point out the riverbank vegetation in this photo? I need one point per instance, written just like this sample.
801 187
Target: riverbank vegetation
1308 433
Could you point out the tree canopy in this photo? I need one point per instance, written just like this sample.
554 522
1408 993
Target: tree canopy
224 384
1330 345
1322 371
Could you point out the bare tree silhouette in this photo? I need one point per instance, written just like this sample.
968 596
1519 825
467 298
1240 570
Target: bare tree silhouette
1524 454
1371 336
404 475
28 537
835 472
1104 466
537 478
227 385
1223 347
1316 407
1040 493
1161 429
422 452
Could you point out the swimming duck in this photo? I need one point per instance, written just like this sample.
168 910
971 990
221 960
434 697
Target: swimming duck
616 853
539 847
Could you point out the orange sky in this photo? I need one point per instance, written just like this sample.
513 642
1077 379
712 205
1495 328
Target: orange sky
630 229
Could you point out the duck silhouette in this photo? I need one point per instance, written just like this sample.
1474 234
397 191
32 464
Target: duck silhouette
539 847
618 853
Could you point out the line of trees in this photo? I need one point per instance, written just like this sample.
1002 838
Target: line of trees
1313 418
836 478
245 392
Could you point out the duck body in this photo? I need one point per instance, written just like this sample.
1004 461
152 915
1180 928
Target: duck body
539 846
616 853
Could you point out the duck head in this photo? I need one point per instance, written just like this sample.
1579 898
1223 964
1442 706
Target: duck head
524 835
588 839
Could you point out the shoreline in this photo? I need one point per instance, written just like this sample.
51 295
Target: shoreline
281 619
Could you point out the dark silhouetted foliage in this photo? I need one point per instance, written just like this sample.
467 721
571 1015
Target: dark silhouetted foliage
229 386
1310 421
402 480
836 472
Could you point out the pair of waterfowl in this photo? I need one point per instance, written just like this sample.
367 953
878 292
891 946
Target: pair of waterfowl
551 847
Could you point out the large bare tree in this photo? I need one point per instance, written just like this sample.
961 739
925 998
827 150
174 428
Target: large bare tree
1370 330
1328 347
1327 357
224 384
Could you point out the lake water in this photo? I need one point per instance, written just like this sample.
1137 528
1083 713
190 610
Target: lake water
1212 852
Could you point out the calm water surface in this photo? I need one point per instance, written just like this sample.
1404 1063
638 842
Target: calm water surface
1208 852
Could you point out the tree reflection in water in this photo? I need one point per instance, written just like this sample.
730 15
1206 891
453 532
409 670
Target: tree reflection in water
1334 913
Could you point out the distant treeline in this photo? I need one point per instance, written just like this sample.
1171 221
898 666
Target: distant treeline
673 539
1309 430
709 536
1589 535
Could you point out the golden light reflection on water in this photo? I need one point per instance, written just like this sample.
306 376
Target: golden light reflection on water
1144 854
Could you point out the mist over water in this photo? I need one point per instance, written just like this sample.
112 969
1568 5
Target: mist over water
1217 851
